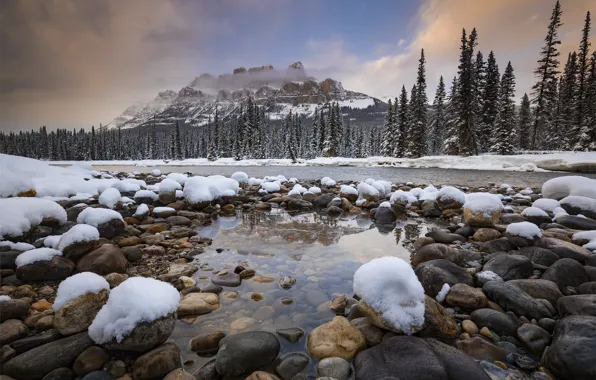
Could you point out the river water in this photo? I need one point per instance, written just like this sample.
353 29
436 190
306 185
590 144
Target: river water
471 178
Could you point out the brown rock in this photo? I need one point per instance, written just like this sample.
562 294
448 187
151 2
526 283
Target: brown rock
129 241
260 375
13 309
77 250
58 268
77 314
92 359
145 336
466 297
104 260
12 330
469 327
207 343
41 305
44 323
337 338
179 374
157 363
115 279
480 349
338 304
198 303
481 219
486 234
438 322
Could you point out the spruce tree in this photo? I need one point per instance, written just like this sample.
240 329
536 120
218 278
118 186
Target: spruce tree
545 88
437 124
216 134
387 143
451 135
490 103
524 123
416 132
583 106
466 123
504 134
564 126
178 143
316 135
402 128
93 142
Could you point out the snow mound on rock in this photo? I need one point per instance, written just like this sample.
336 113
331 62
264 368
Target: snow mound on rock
326 181
484 203
561 187
366 190
271 187
78 234
96 216
205 189
169 185
142 210
156 172
136 300
524 229
403 196
17 246
315 190
241 177
443 293
348 190
109 197
147 194
20 214
178 177
35 255
452 193
534 211
546 204
77 285
390 287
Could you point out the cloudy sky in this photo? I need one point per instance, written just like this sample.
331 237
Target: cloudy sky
76 63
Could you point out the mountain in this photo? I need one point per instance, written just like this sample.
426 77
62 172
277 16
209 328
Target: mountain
279 91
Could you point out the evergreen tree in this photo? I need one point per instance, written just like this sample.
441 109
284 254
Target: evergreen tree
402 129
92 142
451 137
290 138
587 138
583 106
316 135
437 124
545 88
565 119
504 134
178 143
216 134
331 145
387 143
525 123
419 101
490 103
466 123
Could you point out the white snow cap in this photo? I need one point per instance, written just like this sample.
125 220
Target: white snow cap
488 275
129 185
35 255
155 172
546 204
271 187
4 298
452 193
347 190
169 185
403 196
17 246
20 214
583 203
109 197
96 216
77 234
364 189
142 210
252 181
205 189
136 300
158 210
147 194
326 181
178 177
390 286
241 177
315 190
51 241
385 205
485 203
77 285
561 187
524 229
534 211
443 293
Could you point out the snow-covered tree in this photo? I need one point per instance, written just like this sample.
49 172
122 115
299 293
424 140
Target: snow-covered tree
451 135
419 101
504 134
490 103
387 143
403 122
524 123
582 108
466 123
438 119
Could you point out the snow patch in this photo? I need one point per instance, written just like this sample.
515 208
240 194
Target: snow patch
546 204
561 187
96 216
484 203
17 246
142 210
35 255
110 197
326 181
534 211
443 293
524 229
78 234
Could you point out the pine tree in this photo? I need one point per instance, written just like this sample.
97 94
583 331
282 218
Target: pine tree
565 121
290 138
331 145
504 134
525 123
92 142
387 143
544 90
178 142
437 124
216 134
316 135
402 129
419 101
587 138
490 103
582 105
451 136
466 123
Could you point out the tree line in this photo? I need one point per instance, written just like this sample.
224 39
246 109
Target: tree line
478 115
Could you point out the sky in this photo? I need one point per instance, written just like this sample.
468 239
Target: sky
76 63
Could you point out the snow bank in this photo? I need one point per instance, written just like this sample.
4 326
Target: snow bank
451 193
17 246
546 204
96 216
78 234
484 203
241 177
561 187
524 229
390 286
347 190
142 210
443 293
77 285
135 300
169 186
20 214
205 189
326 181
35 255
534 211
110 197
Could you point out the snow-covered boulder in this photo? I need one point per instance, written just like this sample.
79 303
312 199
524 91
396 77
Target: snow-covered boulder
271 187
523 234
17 246
200 191
167 191
110 197
178 177
141 212
561 187
315 190
43 264
145 196
156 172
327 181
348 192
20 214
450 197
482 209
241 177
536 215
391 295
546 204
164 212
384 214
252 181
109 223
368 192
403 198
78 300
575 204
129 185
77 241
140 314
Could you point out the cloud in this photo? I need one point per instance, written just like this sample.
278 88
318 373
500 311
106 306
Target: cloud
513 30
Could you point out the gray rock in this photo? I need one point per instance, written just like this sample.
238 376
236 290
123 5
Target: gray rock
443 237
92 359
212 288
437 251
33 341
36 363
291 364
582 304
157 363
98 375
229 279
61 373
111 228
577 222
145 336
566 272
177 220
7 259
372 334
13 309
245 352
298 204
433 274
587 288
510 267
565 249
292 334
538 255
498 245
58 268
336 368
133 253
104 260
534 338
12 330
207 372
512 298
539 288
496 321
385 215
323 200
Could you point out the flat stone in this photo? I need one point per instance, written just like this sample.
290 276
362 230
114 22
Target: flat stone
335 339
292 334
566 272
33 341
539 288
207 343
13 309
510 267
291 364
466 297
581 304
497 321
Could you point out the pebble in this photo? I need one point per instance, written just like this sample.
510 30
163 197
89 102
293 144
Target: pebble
469 327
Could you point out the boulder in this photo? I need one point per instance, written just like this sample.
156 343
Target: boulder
13 309
577 222
539 289
77 250
565 249
496 321
566 272
157 363
570 355
512 298
435 273
466 297
337 338
537 255
245 352
481 219
384 215
486 234
78 314
104 260
92 359
444 237
111 228
438 323
145 336
436 251
499 245
534 338
58 268
198 303
580 304
510 267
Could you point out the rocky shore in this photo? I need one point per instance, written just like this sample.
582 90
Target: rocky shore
92 287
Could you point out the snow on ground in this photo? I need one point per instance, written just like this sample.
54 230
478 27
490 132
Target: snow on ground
78 234
35 255
390 286
96 216
20 214
135 300
52 241
77 285
524 229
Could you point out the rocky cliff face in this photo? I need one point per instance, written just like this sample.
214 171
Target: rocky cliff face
279 91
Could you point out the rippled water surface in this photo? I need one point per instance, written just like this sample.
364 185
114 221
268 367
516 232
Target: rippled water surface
320 252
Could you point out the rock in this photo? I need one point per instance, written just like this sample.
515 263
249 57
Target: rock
116 368
335 339
31 342
291 364
261 375
466 297
443 237
372 334
178 270
469 327
436 251
538 255
510 267
298 204
433 274
92 359
565 249
157 363
587 288
104 260
208 343
421 242
7 259
338 304
198 303
292 334
481 349
115 279
166 197
566 272
179 374
41 305
335 368
323 200
420 359
13 309
385 215
577 222
245 352
228 279
111 228
129 241
512 298
581 304
286 282
534 338
539 288
438 323
154 250
58 268
486 234
497 321
211 288
512 218
132 254
334 211
447 203
481 219
61 373
465 231
145 336
498 245
569 356
11 330
78 314
37 362
77 250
